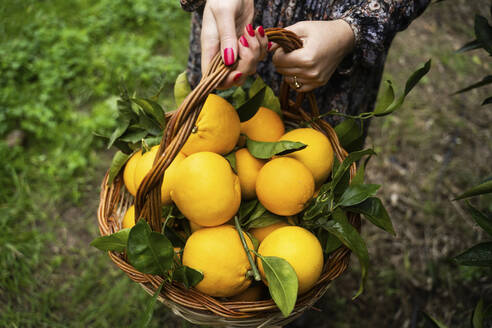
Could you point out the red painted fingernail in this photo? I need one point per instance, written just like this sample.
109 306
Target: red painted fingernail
250 30
261 31
228 56
237 77
269 45
243 41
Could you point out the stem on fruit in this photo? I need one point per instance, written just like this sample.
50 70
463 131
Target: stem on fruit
256 273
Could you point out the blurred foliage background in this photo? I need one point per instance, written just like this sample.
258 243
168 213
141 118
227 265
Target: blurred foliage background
61 66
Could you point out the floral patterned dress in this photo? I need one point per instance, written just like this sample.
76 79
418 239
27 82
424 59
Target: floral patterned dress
353 87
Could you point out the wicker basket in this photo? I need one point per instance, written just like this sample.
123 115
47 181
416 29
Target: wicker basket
191 304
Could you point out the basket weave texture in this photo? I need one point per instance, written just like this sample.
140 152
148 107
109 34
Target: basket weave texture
191 304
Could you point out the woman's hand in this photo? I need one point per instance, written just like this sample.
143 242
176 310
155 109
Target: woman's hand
223 21
325 44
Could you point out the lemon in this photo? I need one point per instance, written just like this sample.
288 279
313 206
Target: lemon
144 165
217 128
261 233
253 293
317 156
194 227
284 186
129 172
218 253
265 125
300 248
208 192
129 218
170 178
248 168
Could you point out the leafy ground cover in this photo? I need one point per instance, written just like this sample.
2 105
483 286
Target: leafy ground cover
61 65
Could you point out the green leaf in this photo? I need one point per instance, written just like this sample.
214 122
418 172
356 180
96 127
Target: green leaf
149 310
147 123
249 108
231 158
133 135
114 242
410 84
270 101
478 255
338 172
118 132
332 243
485 81
239 97
153 109
258 211
350 237
254 241
119 160
387 97
480 218
187 276
246 208
359 175
472 45
181 88
436 323
482 188
358 193
282 282
266 150
478 315
265 220
342 184
149 251
483 32
349 132
375 212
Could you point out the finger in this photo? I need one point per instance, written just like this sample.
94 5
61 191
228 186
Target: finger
226 27
302 85
290 59
263 40
209 39
234 78
298 71
252 40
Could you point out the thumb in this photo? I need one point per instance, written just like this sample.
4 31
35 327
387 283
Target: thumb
226 27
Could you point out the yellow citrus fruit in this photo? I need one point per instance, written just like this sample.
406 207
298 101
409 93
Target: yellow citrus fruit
194 227
300 248
129 172
317 156
170 179
144 165
217 128
265 125
129 218
208 192
284 186
248 168
253 293
261 233
218 253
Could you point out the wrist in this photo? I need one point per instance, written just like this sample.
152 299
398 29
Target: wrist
347 36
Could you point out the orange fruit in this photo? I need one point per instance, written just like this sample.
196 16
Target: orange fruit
265 125
248 168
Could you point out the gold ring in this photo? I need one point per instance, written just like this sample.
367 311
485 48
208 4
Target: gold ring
297 84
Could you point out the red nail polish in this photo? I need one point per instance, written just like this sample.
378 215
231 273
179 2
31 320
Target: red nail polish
243 41
250 30
269 45
261 31
228 56
237 77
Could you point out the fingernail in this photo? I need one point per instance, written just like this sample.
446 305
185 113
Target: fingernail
269 45
250 30
243 41
228 56
261 31
237 77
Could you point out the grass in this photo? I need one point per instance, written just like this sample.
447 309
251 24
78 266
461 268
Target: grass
434 148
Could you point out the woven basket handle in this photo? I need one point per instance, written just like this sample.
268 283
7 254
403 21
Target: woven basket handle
181 123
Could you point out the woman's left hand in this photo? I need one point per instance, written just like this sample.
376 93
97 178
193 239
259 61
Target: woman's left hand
325 44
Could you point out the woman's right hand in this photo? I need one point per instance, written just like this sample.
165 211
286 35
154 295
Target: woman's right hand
222 22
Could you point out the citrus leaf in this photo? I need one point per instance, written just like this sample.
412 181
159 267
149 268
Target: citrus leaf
181 88
266 150
483 32
375 212
485 81
147 123
265 220
250 107
340 170
350 237
118 132
149 310
472 45
359 175
258 211
478 255
358 193
133 135
331 243
482 188
254 241
153 109
348 132
231 158
119 160
436 323
270 101
115 242
480 218
246 208
238 97
149 251
187 276
478 315
387 97
282 282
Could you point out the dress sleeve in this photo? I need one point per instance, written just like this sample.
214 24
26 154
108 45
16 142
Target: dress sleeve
192 5
375 23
